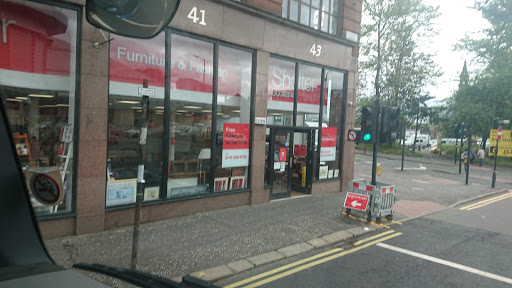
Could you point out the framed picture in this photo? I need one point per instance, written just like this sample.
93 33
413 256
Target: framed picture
221 184
182 182
121 192
323 172
151 193
237 182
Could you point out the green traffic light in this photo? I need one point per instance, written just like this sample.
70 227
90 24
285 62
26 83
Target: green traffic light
367 137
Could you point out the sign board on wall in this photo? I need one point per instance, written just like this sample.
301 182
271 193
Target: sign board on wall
328 151
235 145
505 146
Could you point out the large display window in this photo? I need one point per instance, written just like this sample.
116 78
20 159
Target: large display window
38 56
131 62
281 92
207 128
332 115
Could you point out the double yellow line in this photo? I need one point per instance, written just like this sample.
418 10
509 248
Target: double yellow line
486 202
310 262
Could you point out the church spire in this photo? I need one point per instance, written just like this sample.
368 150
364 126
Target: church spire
464 75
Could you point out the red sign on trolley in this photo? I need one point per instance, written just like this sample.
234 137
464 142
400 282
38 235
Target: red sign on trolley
356 201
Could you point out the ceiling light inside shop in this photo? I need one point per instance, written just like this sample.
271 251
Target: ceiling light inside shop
13 100
136 107
159 107
275 114
236 111
226 116
192 107
41 95
206 111
128 102
49 106
21 98
181 111
62 105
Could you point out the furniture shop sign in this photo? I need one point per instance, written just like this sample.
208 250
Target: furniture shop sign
235 145
328 151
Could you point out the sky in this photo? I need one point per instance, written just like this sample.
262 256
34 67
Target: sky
456 20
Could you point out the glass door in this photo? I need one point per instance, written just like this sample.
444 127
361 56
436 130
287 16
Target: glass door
279 164
301 163
289 162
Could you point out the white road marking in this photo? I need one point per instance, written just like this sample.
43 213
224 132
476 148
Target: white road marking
446 263
421 168
420 181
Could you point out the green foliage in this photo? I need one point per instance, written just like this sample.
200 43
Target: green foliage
392 34
487 97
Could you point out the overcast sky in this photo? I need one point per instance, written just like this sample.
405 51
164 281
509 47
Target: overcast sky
457 18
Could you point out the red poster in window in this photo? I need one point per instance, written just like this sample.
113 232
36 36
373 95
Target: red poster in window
328 151
303 150
296 150
235 145
282 154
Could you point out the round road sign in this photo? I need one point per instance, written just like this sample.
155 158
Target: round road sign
45 189
352 135
499 133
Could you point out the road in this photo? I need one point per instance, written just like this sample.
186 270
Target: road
428 184
465 246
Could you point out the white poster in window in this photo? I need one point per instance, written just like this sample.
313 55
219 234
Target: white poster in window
328 151
235 145
329 175
121 192
323 172
283 166
277 165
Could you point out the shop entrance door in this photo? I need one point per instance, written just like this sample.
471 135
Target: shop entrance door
290 162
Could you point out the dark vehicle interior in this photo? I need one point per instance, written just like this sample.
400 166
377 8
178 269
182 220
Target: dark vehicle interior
24 260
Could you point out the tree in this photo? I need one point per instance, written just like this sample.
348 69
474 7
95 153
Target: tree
488 96
391 32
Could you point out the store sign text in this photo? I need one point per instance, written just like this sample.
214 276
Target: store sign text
283 80
6 23
150 59
235 145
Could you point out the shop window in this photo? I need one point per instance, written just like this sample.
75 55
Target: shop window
37 87
281 91
191 117
331 124
308 96
132 61
233 118
318 14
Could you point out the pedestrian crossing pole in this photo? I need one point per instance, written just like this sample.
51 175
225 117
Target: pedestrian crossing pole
140 176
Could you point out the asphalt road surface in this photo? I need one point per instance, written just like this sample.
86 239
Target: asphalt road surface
465 246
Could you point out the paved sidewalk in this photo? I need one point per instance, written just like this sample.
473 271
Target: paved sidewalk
218 243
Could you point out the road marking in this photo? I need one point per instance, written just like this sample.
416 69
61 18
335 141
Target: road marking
393 221
378 225
420 181
373 237
446 263
315 263
486 202
268 273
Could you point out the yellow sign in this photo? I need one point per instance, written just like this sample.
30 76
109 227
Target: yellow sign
505 146
379 168
303 176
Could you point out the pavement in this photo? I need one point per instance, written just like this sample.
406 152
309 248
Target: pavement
218 244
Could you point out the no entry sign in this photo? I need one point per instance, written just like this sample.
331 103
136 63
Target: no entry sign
356 201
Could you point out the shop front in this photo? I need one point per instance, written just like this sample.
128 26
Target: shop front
73 101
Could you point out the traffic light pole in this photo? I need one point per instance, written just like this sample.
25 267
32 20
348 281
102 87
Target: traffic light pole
460 155
469 153
376 143
403 145
493 184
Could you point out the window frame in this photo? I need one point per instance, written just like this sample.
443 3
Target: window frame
331 15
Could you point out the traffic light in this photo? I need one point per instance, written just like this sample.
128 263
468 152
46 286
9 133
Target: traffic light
368 120
389 124
393 115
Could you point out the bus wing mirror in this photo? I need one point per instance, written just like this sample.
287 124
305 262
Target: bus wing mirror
132 18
